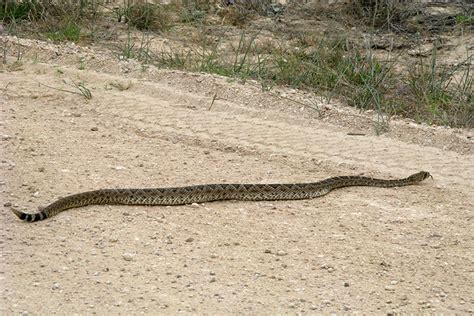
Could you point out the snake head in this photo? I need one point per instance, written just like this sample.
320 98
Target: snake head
420 176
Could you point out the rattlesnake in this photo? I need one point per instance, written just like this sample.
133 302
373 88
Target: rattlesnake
213 192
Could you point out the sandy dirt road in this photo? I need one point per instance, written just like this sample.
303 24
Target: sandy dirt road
357 250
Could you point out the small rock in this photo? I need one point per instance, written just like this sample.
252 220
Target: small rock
7 204
389 288
190 239
41 169
55 286
94 129
281 253
128 256
267 251
6 137
213 279
346 284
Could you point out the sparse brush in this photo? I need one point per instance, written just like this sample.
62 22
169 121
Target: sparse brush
440 95
11 11
59 20
240 12
147 16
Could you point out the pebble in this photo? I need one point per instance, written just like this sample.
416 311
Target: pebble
94 129
281 253
190 239
128 256
55 286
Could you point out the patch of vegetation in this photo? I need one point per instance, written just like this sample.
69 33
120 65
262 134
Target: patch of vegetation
336 67
14 10
465 19
57 20
240 12
380 14
440 95
147 16
70 32
330 65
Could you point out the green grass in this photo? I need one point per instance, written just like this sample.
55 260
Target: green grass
70 32
465 19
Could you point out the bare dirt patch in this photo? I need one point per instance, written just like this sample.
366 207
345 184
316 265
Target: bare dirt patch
356 250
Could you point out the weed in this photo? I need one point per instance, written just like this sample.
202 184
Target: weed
465 19
134 49
80 87
82 64
70 32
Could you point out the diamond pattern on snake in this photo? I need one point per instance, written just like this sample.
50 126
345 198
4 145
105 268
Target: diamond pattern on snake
214 192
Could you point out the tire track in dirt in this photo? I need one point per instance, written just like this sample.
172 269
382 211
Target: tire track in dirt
370 154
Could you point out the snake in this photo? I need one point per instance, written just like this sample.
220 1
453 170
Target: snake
213 192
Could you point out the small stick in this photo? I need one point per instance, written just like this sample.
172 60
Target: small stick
212 103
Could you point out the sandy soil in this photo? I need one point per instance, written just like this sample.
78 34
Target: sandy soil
356 250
